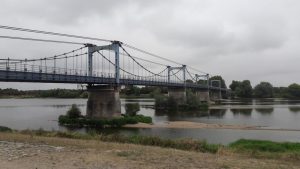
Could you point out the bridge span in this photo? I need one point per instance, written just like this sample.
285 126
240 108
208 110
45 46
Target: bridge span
105 68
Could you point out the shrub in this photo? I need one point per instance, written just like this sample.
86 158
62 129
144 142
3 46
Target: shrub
100 123
132 108
5 129
143 119
74 112
130 120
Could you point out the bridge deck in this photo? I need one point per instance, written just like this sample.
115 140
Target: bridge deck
23 76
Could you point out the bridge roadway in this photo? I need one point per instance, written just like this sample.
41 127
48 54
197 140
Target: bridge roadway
28 76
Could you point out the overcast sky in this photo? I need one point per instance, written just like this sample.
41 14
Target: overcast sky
257 40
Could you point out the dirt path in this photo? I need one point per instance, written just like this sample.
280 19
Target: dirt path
26 152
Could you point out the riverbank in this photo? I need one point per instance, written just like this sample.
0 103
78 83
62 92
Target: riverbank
189 125
32 151
198 125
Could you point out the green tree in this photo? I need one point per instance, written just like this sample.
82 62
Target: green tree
281 92
294 90
242 89
156 92
223 84
132 108
263 90
189 81
132 90
193 102
203 82
74 112
234 85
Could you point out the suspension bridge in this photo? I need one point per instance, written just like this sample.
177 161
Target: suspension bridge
103 67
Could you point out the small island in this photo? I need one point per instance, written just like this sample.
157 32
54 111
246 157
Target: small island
73 118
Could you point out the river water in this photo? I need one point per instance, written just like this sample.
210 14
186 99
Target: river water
268 113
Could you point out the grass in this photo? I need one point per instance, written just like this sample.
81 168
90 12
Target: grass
267 149
182 144
265 146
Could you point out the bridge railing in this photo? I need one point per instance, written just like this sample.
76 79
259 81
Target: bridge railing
21 67
24 67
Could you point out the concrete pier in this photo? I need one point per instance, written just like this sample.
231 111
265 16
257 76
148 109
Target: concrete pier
203 96
215 95
179 94
103 102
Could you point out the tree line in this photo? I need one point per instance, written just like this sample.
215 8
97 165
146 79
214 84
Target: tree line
244 89
55 93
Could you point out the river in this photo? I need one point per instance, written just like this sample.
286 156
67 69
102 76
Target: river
278 114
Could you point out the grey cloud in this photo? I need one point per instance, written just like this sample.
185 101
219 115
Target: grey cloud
63 12
238 39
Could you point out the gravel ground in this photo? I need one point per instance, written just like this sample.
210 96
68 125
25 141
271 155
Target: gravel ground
14 150
19 151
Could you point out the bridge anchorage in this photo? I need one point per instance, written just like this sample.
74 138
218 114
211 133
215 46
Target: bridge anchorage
105 73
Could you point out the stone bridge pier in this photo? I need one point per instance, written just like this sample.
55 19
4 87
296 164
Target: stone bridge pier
103 101
215 95
179 94
203 95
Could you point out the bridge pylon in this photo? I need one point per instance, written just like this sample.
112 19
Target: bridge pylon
182 68
179 94
203 95
104 100
114 46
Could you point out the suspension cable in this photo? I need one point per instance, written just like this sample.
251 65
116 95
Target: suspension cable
193 78
114 64
139 63
47 58
51 33
79 37
41 40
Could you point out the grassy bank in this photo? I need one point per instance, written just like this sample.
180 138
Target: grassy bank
181 144
267 149
252 148
90 152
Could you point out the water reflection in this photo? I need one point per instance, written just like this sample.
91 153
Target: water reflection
182 115
238 102
63 106
265 111
294 109
263 101
217 113
244 112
